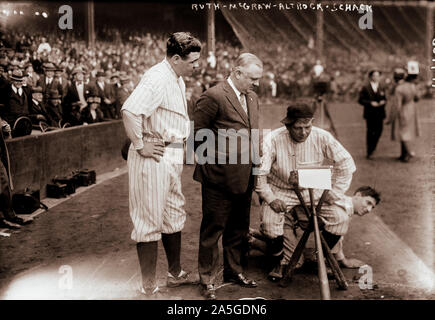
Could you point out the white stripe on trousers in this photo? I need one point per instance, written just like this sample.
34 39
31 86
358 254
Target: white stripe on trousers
155 197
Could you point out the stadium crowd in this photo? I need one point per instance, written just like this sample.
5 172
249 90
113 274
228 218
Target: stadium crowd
56 81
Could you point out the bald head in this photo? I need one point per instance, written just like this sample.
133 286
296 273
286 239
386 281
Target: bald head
247 72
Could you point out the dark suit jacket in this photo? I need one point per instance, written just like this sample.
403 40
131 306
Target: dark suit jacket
219 108
366 96
71 97
14 105
54 85
87 117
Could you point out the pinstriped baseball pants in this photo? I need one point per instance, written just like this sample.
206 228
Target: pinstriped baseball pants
155 197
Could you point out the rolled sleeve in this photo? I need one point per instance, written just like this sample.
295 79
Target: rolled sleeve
133 128
269 155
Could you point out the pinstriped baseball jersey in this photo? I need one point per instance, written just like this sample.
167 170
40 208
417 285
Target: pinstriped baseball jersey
160 99
159 108
281 155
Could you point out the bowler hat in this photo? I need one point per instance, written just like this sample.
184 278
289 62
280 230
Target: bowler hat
298 110
114 75
54 94
17 75
77 70
124 79
48 67
100 74
37 90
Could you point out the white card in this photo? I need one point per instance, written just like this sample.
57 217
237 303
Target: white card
315 178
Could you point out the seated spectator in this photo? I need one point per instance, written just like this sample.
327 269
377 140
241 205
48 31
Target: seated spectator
54 109
38 112
92 113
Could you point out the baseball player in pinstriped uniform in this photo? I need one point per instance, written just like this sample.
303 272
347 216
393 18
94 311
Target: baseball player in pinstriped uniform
295 145
156 121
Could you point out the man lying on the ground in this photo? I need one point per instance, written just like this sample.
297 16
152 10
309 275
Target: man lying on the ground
335 219
295 145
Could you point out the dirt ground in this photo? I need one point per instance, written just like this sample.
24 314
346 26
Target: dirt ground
88 236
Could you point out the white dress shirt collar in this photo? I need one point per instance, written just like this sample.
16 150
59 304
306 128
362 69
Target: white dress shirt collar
238 93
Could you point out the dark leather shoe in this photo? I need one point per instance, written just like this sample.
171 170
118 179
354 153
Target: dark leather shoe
208 292
8 225
241 280
20 221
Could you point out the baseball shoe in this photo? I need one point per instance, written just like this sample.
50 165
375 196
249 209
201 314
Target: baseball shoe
182 279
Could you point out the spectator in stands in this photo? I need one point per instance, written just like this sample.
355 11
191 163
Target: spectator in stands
32 77
37 110
54 109
104 92
44 47
125 90
60 76
15 100
47 82
115 87
76 93
92 113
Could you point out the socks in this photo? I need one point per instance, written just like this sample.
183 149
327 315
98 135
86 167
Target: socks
172 245
147 254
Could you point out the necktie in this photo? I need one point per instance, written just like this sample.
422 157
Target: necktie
243 102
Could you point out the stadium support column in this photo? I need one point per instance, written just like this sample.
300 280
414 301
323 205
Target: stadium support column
429 38
211 29
319 34
90 26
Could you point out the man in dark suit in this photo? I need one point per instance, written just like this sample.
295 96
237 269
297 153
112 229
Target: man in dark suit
15 99
48 82
227 188
77 94
104 91
61 77
372 97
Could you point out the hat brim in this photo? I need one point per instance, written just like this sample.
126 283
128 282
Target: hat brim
286 121
16 79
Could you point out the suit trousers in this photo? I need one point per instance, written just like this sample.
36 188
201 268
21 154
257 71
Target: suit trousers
227 215
374 131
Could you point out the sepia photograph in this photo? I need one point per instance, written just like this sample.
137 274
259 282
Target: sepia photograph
242 151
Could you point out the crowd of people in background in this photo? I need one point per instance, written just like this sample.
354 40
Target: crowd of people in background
56 81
